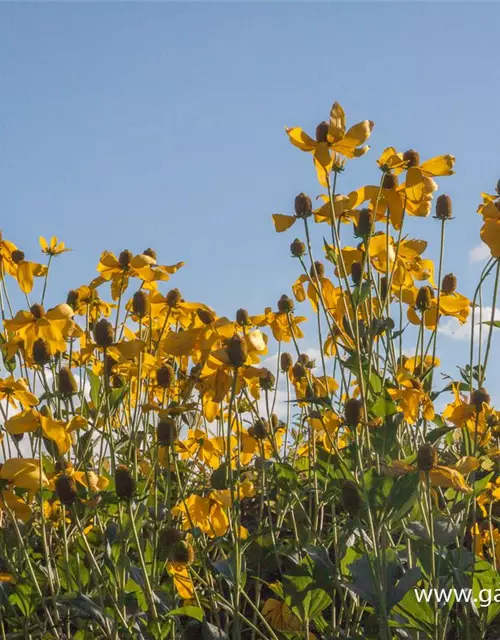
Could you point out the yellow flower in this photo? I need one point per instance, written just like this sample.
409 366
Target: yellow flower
25 272
24 473
14 390
332 138
182 580
54 248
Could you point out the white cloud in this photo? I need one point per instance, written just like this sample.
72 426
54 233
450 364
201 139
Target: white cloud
479 253
453 329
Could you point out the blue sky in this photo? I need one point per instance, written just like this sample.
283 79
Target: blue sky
136 125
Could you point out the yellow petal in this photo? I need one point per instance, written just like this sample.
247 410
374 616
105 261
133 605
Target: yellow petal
439 166
283 222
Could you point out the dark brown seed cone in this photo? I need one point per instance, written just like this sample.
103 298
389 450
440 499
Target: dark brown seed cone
305 360
478 397
297 248
166 432
390 181
103 333
167 539
237 350
73 299
365 223
125 258
303 206
173 297
17 256
267 382
322 132
65 489
182 553
286 361
449 283
124 483
165 376
383 287
285 304
41 353
260 429
150 252
242 317
356 273
298 371
66 382
412 158
207 317
37 310
424 298
427 457
140 303
352 412
350 498
320 269
443 207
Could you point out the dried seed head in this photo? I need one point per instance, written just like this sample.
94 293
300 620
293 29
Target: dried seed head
412 158
140 303
297 248
17 256
37 310
166 432
449 283
286 361
356 273
260 429
65 488
173 297
103 333
73 299
478 397
165 376
390 181
41 354
285 304
150 252
169 537
237 350
125 258
424 298
303 206
66 382
182 553
322 132
427 457
298 371
267 381
365 223
350 498
124 483
306 361
242 317
352 412
207 317
320 269
443 207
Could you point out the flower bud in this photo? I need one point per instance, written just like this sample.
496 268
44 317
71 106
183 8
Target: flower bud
124 258
285 304
242 317
352 412
103 333
267 381
41 354
140 303
65 489
286 361
66 382
165 376
124 483
73 299
37 310
166 432
427 457
173 297
237 350
478 397
318 268
449 283
206 316
297 248
298 371
443 207
303 206
412 158
424 298
150 252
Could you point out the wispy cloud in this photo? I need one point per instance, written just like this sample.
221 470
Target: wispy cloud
453 329
479 253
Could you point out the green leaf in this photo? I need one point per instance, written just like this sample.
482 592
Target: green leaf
494 323
403 495
190 612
